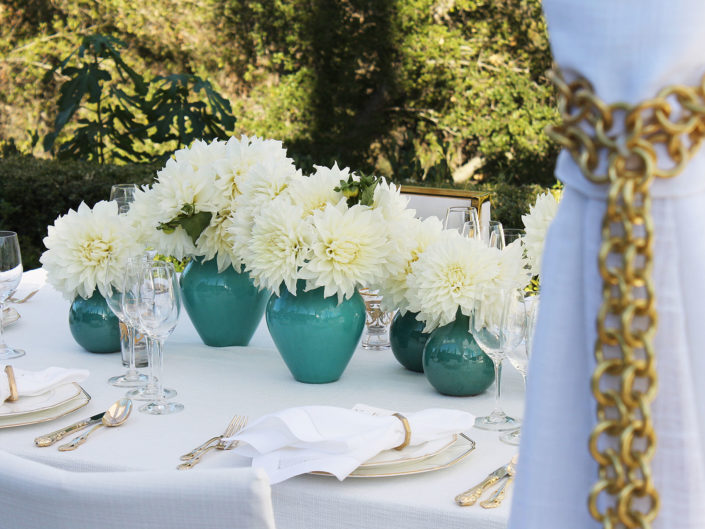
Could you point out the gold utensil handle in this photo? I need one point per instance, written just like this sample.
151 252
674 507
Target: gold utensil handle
498 495
78 441
196 460
203 446
470 496
50 438
17 301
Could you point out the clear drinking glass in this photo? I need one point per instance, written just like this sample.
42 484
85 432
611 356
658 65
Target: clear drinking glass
124 195
158 307
377 322
519 356
512 235
493 234
457 216
130 293
471 230
498 324
131 378
10 277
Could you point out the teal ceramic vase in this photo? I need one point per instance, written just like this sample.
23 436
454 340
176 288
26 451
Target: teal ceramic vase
408 340
315 336
93 325
453 362
224 307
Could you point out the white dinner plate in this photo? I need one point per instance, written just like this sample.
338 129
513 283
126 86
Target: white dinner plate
410 453
46 401
9 315
456 452
71 405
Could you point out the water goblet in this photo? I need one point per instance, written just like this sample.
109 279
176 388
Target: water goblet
457 216
158 307
497 326
493 235
10 277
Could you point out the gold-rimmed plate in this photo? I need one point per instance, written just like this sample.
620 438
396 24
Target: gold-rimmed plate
46 401
9 316
453 454
56 412
410 453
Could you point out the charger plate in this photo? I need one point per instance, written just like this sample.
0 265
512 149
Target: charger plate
410 453
458 450
9 315
46 401
48 414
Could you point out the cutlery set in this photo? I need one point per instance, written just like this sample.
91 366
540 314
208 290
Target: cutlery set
505 474
191 459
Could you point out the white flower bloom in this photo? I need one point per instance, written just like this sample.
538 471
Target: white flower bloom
348 250
279 246
448 276
536 225
390 203
179 184
87 249
214 242
317 191
201 155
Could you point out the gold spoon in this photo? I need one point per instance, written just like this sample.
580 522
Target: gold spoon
115 415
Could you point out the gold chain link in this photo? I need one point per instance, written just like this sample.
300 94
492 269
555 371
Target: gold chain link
621 145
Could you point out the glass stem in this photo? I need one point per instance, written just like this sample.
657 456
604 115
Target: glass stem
131 370
151 382
3 345
498 383
158 358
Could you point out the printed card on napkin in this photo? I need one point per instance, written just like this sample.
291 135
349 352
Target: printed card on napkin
31 383
337 440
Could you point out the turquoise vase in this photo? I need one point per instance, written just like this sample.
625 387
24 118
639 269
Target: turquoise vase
408 340
315 336
453 362
93 325
224 307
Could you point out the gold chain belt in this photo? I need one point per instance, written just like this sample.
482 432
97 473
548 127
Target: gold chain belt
617 144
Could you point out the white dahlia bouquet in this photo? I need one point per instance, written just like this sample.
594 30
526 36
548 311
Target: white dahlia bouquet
334 230
536 224
87 250
187 212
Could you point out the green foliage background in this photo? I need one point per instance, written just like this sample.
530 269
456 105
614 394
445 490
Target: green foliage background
420 90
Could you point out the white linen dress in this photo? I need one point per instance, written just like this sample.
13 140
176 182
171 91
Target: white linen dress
628 50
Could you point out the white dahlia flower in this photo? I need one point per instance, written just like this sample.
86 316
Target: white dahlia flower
87 249
315 192
536 225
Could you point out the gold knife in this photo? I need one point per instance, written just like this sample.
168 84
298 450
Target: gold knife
470 496
50 438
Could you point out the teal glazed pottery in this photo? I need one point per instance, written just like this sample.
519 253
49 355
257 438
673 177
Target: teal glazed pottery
225 307
408 340
453 362
93 325
315 336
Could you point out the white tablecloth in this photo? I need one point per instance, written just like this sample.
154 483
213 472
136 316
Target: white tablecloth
216 383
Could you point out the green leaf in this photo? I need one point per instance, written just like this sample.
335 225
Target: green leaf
195 224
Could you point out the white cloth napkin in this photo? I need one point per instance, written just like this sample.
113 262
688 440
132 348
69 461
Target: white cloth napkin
337 440
31 383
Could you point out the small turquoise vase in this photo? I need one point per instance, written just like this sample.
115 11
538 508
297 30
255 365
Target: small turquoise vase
93 325
315 336
453 362
408 340
224 307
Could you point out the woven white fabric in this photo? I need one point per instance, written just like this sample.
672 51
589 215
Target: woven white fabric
628 50
36 496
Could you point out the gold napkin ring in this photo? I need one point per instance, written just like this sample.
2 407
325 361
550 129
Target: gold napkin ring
13 383
407 431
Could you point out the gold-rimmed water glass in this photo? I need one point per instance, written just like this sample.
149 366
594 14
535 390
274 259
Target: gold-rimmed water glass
10 277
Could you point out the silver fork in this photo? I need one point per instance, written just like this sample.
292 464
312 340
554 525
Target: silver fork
236 424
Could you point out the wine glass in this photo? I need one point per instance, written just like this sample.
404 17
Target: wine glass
131 378
124 195
158 307
498 323
511 235
493 234
457 216
519 356
10 277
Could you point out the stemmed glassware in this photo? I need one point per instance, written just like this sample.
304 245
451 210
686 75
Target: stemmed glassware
131 378
457 217
493 234
498 326
519 356
124 195
158 307
10 277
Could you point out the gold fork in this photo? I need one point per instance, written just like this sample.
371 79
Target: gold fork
26 298
236 424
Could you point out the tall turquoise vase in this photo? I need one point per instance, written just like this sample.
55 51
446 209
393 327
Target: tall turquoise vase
224 307
315 336
453 362
93 325
407 339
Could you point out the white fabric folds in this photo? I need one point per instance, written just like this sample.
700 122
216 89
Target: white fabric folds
628 50
32 383
336 440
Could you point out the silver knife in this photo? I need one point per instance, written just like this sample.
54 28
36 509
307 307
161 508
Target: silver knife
50 438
